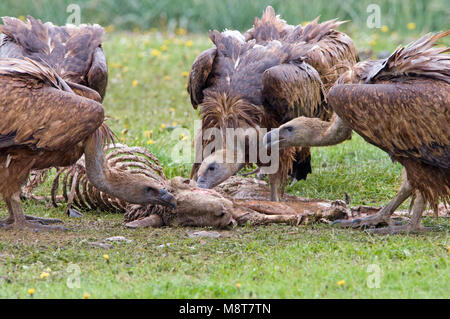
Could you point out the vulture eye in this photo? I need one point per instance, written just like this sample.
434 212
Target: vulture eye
211 168
289 128
150 189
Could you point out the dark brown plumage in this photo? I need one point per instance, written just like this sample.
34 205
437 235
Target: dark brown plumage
402 105
44 124
74 52
269 75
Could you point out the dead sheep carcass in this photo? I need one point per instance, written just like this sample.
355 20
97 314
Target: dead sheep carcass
237 201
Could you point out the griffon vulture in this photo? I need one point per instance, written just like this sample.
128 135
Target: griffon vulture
402 105
262 79
74 52
44 124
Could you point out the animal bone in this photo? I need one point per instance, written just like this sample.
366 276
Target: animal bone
238 201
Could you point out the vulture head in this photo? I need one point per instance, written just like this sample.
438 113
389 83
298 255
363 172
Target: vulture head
144 191
217 168
290 134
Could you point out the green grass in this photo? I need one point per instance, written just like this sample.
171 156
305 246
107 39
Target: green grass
202 15
271 261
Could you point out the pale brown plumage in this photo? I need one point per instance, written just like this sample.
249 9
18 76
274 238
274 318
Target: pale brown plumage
273 73
44 124
74 52
402 105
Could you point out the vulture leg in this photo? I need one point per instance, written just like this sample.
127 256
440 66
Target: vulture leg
414 224
274 181
383 217
21 221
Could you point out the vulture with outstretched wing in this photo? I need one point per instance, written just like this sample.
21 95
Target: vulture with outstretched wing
262 79
400 104
44 124
74 52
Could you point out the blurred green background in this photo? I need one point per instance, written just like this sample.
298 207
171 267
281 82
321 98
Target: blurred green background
201 15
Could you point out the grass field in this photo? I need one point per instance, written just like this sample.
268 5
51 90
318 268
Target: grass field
146 98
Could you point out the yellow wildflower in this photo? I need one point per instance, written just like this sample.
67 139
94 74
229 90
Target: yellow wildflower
174 123
31 291
124 132
163 125
122 139
163 47
181 31
189 43
116 65
86 295
150 142
238 285
171 109
372 43
185 74
148 134
166 78
411 26
106 256
448 249
134 83
384 28
156 53
341 282
110 28
45 275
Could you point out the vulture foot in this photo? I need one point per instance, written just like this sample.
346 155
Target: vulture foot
391 230
43 221
378 219
34 225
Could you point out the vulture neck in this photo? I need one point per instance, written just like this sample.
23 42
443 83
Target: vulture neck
107 180
327 133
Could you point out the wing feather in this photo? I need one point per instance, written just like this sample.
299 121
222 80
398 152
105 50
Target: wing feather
200 71
292 90
406 119
38 113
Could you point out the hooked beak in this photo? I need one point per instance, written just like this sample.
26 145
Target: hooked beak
272 138
167 199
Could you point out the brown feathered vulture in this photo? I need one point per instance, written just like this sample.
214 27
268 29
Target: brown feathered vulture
262 79
74 52
402 105
44 124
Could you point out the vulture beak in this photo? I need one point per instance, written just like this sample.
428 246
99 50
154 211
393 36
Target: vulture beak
167 199
272 138
201 182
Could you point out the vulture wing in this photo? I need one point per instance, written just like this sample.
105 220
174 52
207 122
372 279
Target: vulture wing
418 59
75 52
409 118
198 76
292 90
40 111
